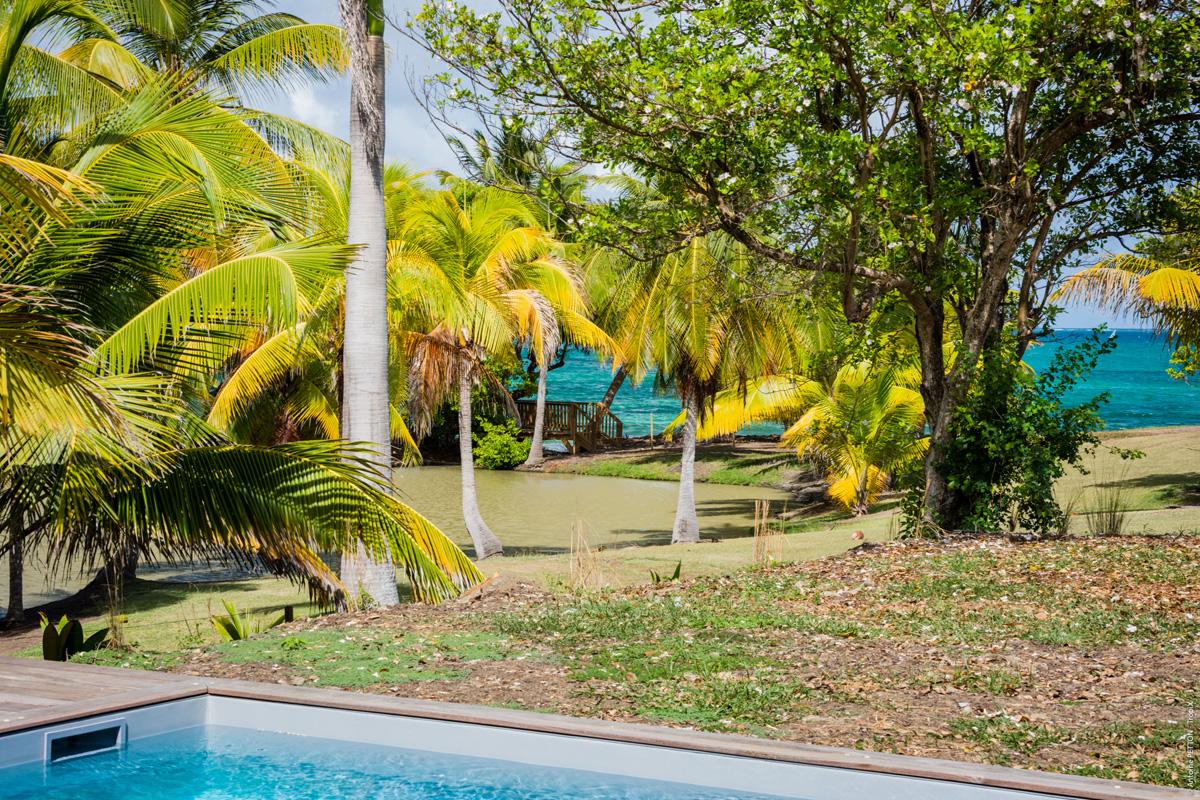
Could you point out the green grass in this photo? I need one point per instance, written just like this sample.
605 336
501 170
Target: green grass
1121 751
714 464
365 657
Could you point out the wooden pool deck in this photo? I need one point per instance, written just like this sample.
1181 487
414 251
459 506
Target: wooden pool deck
35 693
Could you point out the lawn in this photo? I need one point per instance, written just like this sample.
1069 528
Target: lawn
748 463
1077 655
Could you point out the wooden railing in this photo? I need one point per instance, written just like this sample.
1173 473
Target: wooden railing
580 426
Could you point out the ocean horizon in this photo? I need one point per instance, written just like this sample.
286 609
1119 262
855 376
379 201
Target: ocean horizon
1134 375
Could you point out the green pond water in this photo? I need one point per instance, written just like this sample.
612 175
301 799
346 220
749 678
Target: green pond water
530 512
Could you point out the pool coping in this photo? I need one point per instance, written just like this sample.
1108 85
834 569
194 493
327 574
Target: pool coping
177 687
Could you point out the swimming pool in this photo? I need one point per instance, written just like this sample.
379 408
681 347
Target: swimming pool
230 740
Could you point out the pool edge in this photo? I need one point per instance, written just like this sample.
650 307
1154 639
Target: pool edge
165 687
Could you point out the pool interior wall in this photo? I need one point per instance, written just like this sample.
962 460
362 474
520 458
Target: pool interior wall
709 770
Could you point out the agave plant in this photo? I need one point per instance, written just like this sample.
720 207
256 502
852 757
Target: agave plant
63 639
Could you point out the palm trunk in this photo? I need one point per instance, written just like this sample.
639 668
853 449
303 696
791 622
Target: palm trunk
365 352
687 527
617 382
536 452
16 570
486 543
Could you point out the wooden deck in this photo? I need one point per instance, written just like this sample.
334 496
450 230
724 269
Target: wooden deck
582 427
34 693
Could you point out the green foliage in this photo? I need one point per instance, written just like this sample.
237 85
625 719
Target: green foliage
1015 434
232 627
365 657
65 638
937 157
499 446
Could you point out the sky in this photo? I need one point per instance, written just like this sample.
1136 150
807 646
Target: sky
414 140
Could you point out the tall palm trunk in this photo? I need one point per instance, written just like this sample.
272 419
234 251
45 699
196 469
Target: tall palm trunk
365 353
16 570
486 543
687 526
536 450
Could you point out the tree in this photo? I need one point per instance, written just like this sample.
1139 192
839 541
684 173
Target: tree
861 424
223 44
516 162
473 276
695 320
944 154
139 273
365 394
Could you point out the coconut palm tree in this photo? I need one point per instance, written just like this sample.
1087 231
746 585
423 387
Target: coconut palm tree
169 268
470 278
1163 290
694 318
234 47
365 394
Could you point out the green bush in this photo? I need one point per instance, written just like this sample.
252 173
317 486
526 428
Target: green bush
1015 435
498 446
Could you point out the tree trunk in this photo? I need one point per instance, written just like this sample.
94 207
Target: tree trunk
687 527
16 570
365 415
486 543
614 387
536 454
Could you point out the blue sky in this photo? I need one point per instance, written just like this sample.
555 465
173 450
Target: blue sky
412 138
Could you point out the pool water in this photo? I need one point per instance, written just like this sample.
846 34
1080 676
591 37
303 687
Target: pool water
221 763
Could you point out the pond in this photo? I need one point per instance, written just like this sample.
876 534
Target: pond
536 512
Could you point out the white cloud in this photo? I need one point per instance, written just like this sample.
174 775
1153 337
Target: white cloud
308 108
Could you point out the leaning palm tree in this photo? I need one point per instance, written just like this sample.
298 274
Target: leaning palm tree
544 323
469 277
365 395
695 319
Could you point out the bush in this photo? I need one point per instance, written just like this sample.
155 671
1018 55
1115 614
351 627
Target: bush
1014 436
498 446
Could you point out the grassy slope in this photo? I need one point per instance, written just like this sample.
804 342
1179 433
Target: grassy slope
1076 656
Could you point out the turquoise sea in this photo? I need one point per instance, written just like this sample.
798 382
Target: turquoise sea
1141 394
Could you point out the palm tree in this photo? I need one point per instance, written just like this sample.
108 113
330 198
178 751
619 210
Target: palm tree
365 395
1163 291
471 278
227 46
695 319
169 269
863 424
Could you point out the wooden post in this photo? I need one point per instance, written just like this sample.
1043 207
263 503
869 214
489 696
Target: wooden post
573 412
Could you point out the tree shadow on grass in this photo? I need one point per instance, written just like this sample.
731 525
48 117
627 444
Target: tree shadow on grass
1181 488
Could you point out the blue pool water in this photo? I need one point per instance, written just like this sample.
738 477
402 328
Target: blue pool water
1134 374
217 763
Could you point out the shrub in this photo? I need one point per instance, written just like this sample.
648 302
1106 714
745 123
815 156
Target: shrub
1014 436
498 446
